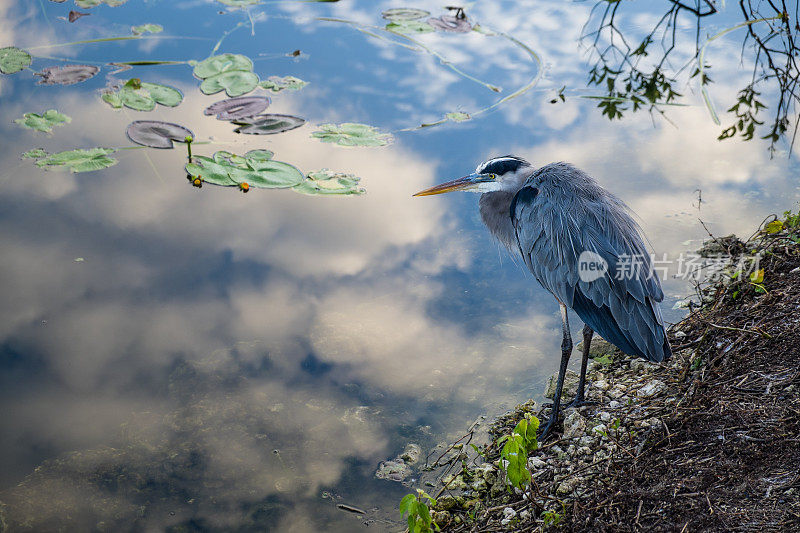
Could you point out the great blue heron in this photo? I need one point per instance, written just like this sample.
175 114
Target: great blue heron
581 244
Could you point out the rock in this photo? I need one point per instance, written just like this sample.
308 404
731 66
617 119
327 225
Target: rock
574 425
652 388
447 503
587 440
617 392
487 472
509 512
395 470
639 365
601 384
681 334
454 481
598 348
605 417
525 515
570 386
614 404
411 454
568 485
442 518
534 463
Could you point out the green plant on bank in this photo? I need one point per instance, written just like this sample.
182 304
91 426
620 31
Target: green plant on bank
551 518
514 455
417 507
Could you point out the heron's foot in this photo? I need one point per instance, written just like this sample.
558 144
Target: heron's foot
580 401
548 428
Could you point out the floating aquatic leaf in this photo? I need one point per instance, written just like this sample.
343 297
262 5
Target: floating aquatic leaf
268 124
404 13
231 72
36 153
147 28
79 160
13 59
237 108
255 169
351 134
143 96
156 134
458 116
451 23
410 27
75 15
222 63
43 122
235 83
276 83
66 75
327 182
93 3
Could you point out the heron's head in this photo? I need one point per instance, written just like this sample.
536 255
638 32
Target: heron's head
498 174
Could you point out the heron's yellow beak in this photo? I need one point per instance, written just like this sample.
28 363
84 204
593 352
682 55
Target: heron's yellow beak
461 184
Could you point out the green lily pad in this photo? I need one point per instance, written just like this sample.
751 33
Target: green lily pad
255 169
93 3
13 59
222 63
327 182
352 134
143 96
79 160
36 153
235 83
277 84
147 28
230 72
43 122
410 27
404 13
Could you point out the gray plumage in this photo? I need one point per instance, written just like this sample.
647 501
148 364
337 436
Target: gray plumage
559 212
562 223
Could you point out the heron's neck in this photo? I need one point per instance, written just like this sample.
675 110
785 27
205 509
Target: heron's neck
495 212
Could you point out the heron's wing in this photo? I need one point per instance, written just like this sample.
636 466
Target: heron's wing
557 220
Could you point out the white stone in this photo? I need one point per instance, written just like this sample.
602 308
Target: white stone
534 463
654 387
509 512
574 425
601 384
614 404
605 417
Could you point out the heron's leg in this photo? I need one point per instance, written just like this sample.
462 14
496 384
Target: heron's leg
566 350
587 343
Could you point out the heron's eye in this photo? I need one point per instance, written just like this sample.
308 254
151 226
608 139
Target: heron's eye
493 176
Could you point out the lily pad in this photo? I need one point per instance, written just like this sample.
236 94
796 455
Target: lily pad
79 160
255 169
409 27
222 63
93 3
238 108
352 134
13 59
268 124
277 84
404 13
147 28
235 83
36 153
43 122
143 96
66 75
156 134
451 23
327 182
